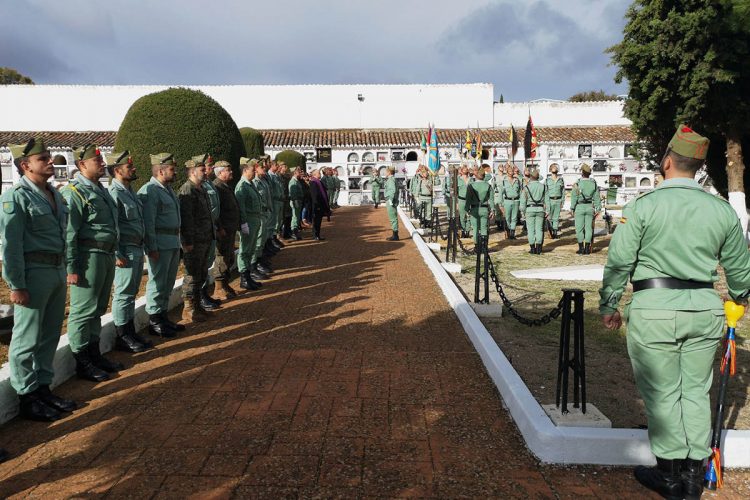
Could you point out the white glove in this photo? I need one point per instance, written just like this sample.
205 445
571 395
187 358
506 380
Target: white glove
245 228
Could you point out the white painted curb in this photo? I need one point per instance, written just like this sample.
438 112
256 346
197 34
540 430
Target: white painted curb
551 444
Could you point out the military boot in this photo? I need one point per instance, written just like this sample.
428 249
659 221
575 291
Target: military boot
125 342
264 268
85 368
256 273
587 248
60 404
277 241
130 327
206 293
224 291
171 324
157 326
95 354
580 249
247 282
394 237
664 479
32 407
693 472
205 301
512 234
539 249
532 249
296 235
192 312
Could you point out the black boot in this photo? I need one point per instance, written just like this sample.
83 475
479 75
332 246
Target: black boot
394 237
95 354
33 408
277 241
693 472
266 263
664 479
56 402
532 249
204 293
296 235
205 301
124 342
85 368
130 328
157 326
539 249
512 234
246 281
263 269
580 249
256 274
171 324
587 248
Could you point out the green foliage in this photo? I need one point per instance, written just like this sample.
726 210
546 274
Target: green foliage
687 62
9 76
592 95
502 99
253 141
292 159
180 121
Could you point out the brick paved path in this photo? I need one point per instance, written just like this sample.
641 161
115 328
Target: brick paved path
347 376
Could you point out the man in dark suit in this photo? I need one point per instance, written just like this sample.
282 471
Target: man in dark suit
319 202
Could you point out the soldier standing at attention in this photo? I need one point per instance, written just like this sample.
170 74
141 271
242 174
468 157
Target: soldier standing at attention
391 201
129 255
462 184
669 243
296 200
264 249
336 188
196 234
161 217
585 204
425 195
510 195
555 197
207 302
532 204
414 190
250 208
286 211
375 184
478 195
277 194
226 230
91 242
33 223
329 183
497 198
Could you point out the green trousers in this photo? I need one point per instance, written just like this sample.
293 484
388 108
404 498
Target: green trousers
249 244
376 195
196 269
296 213
331 195
260 241
392 215
36 329
672 353
336 196
554 213
127 283
224 257
584 216
89 299
535 225
479 218
279 214
511 213
463 217
161 277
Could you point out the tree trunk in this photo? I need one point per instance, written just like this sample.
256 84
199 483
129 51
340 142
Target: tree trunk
735 174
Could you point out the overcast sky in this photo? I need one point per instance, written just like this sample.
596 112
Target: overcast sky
528 50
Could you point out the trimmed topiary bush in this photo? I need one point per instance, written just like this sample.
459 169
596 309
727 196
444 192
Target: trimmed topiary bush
253 141
292 159
180 121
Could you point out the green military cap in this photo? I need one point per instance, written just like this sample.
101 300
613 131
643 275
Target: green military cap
222 164
586 168
34 146
115 159
244 160
163 159
200 159
688 143
254 163
86 152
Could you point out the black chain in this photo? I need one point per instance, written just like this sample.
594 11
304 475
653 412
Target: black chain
545 319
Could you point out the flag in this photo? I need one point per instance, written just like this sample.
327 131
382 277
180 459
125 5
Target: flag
529 141
433 158
479 146
459 146
513 139
467 145
423 144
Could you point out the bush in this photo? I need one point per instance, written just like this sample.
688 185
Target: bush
180 121
292 159
253 141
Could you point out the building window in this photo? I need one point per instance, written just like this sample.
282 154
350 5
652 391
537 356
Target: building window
352 158
645 182
368 157
412 156
584 151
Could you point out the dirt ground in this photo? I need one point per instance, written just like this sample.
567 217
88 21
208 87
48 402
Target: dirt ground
533 351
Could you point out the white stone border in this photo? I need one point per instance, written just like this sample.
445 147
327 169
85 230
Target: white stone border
65 365
551 444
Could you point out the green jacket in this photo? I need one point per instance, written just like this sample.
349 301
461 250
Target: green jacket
376 182
478 195
30 224
262 185
461 187
249 200
425 188
161 216
336 182
533 197
92 218
277 188
585 193
195 212
129 217
555 188
678 231
296 193
415 185
510 189
391 191
213 199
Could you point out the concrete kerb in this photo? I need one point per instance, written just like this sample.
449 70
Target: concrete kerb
551 444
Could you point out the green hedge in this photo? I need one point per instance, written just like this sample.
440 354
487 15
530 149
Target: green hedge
180 121
253 141
292 159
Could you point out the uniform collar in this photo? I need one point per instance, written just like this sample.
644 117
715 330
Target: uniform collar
157 182
30 185
88 182
680 182
118 185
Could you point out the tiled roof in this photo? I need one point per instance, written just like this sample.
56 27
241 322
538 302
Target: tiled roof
355 138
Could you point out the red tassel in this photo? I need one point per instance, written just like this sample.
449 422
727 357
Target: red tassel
716 459
730 356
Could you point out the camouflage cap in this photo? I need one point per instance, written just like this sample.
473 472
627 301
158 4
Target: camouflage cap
163 159
586 168
33 146
222 164
688 143
244 160
199 159
115 159
86 152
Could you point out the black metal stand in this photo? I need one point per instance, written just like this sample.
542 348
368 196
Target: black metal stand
572 312
452 243
482 272
434 225
422 210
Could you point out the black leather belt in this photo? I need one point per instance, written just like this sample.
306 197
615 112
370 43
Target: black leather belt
107 246
131 240
534 205
168 230
511 199
555 197
52 259
462 197
670 283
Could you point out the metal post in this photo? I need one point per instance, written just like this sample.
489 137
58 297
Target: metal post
580 355
572 311
478 271
485 247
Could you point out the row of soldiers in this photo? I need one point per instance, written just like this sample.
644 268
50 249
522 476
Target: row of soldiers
89 238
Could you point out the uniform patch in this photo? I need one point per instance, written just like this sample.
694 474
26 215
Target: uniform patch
623 220
9 207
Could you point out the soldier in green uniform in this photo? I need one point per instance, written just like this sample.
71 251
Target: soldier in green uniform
196 235
250 209
296 200
277 195
391 201
533 199
669 243
376 182
263 250
414 186
207 301
33 223
226 230
510 196
425 195
585 203
286 211
555 197
161 217
336 188
462 185
91 242
497 198
129 255
478 196
327 181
